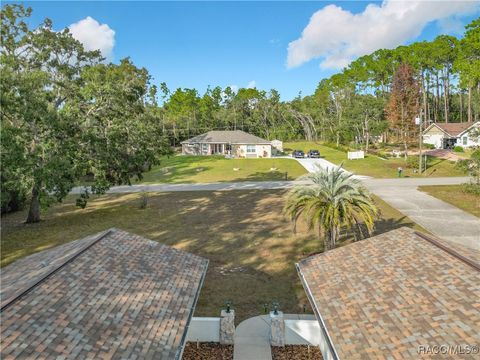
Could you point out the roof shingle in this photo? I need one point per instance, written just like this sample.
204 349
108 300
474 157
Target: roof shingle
454 129
110 295
385 296
227 137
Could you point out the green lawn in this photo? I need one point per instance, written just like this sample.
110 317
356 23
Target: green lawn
244 234
202 169
454 194
375 166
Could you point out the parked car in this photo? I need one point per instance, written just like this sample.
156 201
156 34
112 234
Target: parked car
298 154
313 154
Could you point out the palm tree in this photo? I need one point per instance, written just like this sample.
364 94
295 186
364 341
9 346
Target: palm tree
335 200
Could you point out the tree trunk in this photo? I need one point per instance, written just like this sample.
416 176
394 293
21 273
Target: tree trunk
469 111
461 105
34 211
445 95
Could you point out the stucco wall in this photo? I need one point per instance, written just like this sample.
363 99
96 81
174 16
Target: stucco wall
261 151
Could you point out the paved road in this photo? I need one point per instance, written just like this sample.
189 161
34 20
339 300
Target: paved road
219 186
268 185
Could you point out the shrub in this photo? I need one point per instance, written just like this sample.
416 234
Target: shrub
472 188
458 149
428 146
412 162
143 200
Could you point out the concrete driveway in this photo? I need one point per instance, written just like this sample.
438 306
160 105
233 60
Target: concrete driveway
440 218
312 165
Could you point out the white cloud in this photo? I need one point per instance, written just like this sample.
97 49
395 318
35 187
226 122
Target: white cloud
337 36
94 36
251 84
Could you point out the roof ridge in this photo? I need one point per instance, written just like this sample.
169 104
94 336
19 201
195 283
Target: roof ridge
69 259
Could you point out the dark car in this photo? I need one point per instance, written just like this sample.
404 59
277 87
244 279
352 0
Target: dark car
298 154
313 154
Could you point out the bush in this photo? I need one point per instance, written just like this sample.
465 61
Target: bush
458 149
412 162
472 188
428 146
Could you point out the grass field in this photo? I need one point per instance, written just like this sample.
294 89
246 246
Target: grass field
375 166
200 169
244 234
454 194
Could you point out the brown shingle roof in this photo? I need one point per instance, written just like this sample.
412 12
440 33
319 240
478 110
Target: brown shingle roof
113 294
227 137
385 296
454 129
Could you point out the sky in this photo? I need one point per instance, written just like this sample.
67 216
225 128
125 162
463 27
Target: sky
288 46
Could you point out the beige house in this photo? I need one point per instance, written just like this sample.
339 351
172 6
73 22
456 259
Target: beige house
449 135
234 143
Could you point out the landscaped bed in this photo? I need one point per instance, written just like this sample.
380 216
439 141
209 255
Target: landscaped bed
377 167
455 195
203 169
244 234
207 351
296 352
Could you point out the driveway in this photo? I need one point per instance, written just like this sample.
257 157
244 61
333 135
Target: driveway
440 218
311 165
443 154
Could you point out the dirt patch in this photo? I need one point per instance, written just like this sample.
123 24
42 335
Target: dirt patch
207 351
296 352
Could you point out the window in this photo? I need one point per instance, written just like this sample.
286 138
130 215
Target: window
465 139
204 148
251 149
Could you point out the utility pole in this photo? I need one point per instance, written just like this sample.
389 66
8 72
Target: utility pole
418 121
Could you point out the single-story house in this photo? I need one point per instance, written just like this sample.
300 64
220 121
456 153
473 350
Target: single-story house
449 135
234 143
110 295
398 295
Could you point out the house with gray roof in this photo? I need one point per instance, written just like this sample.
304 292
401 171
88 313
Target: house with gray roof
398 295
235 143
110 295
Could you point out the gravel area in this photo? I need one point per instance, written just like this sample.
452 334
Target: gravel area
207 351
296 352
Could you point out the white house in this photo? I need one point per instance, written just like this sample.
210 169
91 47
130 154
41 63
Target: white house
235 143
449 135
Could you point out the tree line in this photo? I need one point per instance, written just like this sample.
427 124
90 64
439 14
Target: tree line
69 117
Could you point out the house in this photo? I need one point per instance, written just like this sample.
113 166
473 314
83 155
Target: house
449 135
110 295
235 143
398 295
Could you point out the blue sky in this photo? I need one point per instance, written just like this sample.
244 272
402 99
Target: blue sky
196 44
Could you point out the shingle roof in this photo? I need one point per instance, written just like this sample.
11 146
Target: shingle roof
114 294
385 296
227 137
454 129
